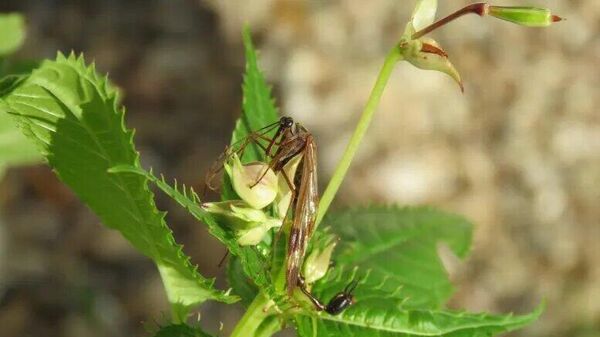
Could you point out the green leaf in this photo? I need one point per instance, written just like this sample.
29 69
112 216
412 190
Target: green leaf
15 148
254 262
180 330
74 115
393 253
239 282
12 33
258 110
387 318
424 14
258 104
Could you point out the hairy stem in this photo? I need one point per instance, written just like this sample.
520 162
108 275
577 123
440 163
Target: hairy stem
363 123
253 317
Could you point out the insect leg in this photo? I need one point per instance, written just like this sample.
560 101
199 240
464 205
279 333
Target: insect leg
315 301
292 198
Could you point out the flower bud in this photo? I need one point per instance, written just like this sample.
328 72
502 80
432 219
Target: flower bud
427 54
526 16
236 214
253 236
255 183
317 262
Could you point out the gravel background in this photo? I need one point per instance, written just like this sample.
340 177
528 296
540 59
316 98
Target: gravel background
518 153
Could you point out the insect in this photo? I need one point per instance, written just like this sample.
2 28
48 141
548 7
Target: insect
291 140
298 141
338 303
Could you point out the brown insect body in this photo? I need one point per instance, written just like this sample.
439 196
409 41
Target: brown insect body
292 140
305 200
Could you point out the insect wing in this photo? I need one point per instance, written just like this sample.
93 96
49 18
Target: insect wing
305 214
213 177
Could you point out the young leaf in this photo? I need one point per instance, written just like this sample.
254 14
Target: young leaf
387 318
74 115
258 105
180 330
12 33
392 252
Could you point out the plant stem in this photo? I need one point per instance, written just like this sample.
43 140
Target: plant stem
269 327
253 317
363 123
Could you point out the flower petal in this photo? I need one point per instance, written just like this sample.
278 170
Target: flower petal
424 14
255 183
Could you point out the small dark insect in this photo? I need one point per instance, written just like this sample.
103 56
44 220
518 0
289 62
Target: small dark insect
338 303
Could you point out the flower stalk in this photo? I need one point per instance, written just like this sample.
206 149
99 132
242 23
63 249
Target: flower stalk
525 16
393 56
254 316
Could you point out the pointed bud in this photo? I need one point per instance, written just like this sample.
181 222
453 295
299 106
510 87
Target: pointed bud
317 262
254 236
526 16
236 214
428 55
255 183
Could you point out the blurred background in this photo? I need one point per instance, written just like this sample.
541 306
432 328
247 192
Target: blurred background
518 153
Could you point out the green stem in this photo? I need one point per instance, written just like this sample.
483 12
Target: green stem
270 326
365 119
253 317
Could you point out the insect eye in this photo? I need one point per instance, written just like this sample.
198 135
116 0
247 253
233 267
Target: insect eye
287 122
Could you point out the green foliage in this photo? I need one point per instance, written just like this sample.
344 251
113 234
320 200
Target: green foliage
15 149
372 237
392 252
387 318
12 33
74 116
180 330
258 109
259 106
253 261
239 282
